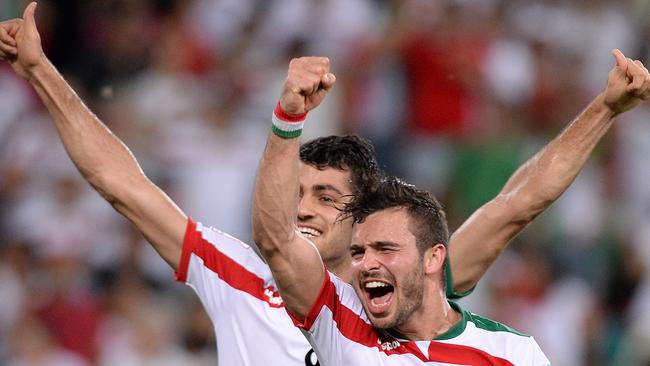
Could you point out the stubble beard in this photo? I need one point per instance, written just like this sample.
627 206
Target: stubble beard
412 292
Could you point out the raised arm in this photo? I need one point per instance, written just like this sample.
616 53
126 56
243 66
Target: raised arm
296 265
544 177
103 160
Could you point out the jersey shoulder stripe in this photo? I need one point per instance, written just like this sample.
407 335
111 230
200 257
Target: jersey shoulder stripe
218 251
491 325
336 312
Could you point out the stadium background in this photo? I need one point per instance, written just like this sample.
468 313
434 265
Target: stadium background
454 95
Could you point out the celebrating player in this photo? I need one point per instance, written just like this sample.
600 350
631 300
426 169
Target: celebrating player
396 312
234 284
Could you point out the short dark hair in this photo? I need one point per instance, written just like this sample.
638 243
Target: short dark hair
428 221
349 152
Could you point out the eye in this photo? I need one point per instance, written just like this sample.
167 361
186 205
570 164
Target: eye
327 199
385 249
356 253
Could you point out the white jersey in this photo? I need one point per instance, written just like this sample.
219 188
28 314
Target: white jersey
238 292
341 334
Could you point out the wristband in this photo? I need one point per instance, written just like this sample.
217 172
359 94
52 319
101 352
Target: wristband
287 125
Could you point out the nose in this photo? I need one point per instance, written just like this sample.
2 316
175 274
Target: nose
369 262
305 208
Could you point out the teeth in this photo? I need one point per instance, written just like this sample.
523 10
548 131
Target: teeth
375 303
375 284
309 232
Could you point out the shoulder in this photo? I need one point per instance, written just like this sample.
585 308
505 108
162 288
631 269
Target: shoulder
218 250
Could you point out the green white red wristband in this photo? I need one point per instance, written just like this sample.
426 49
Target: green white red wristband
287 125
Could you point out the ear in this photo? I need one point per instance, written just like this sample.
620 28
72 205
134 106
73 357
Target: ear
434 258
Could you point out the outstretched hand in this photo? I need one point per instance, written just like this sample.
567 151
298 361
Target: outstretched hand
20 43
628 84
308 81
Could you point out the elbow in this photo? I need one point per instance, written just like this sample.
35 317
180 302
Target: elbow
269 235
105 185
118 190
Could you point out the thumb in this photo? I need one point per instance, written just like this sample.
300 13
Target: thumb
621 60
328 80
28 16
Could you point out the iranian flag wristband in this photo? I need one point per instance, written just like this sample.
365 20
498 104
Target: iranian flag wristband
287 125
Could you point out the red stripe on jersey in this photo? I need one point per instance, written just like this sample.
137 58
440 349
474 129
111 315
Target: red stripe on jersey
190 231
231 272
463 355
354 328
350 324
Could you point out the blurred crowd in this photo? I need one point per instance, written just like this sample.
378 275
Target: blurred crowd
454 94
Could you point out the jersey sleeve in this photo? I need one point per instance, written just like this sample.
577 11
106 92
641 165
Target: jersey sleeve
449 284
218 266
536 356
335 319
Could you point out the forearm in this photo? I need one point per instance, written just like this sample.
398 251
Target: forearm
528 192
276 195
545 176
93 148
108 165
296 265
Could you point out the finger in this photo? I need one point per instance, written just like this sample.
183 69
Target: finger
637 87
643 90
12 26
6 38
7 50
316 65
621 60
312 83
305 84
640 64
319 65
327 81
636 74
28 16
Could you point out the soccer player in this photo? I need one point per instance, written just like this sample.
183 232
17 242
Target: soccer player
234 284
396 311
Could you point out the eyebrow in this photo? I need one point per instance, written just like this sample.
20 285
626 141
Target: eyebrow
355 247
384 244
376 244
326 187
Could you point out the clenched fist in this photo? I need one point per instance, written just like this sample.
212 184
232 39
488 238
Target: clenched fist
308 81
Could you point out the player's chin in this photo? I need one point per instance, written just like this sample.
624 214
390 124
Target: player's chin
385 320
380 309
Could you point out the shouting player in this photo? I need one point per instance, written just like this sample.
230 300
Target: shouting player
234 284
396 311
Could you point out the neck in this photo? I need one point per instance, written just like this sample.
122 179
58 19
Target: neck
434 317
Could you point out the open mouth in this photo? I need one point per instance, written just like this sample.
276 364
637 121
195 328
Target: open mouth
309 232
379 295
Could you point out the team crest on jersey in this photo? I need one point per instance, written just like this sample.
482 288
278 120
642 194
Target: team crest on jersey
388 345
272 296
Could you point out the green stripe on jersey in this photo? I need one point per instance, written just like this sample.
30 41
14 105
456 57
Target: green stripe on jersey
491 325
449 284
479 321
